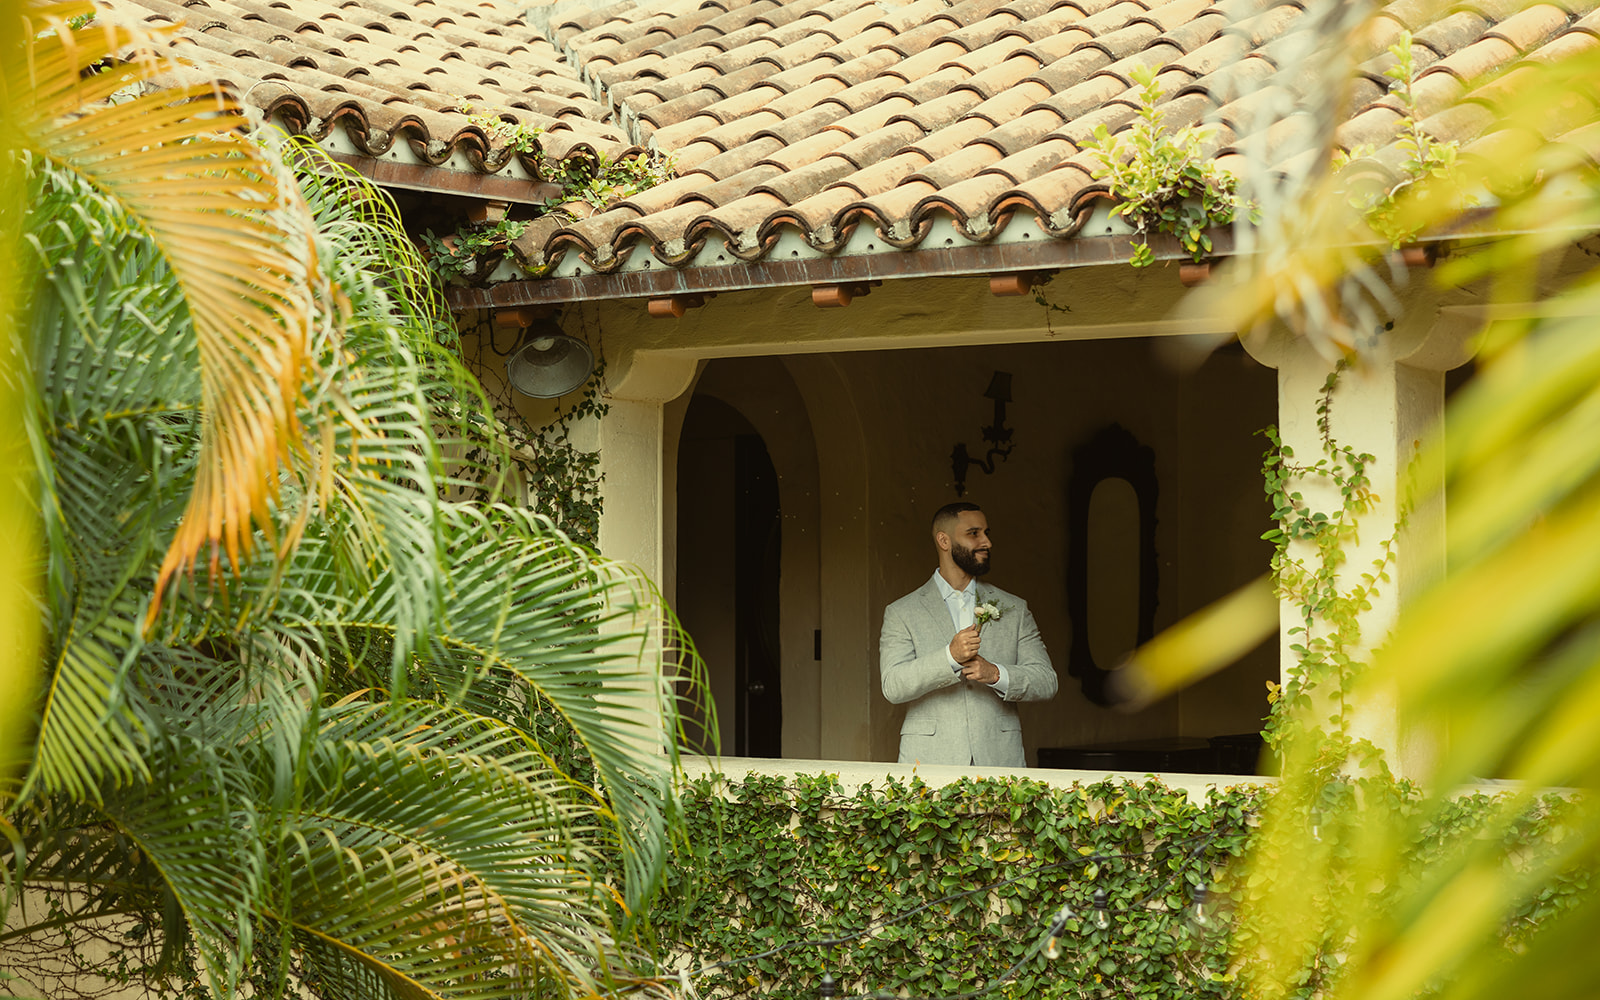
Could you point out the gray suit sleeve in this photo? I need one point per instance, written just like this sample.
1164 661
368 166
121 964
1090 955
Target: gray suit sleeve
1032 678
905 675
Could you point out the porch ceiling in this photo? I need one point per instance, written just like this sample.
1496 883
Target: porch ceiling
818 121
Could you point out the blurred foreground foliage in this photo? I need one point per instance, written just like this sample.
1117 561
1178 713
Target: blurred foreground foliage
1493 667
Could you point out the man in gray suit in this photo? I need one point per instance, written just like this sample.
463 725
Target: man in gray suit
962 668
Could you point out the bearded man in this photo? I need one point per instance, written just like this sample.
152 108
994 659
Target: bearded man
962 654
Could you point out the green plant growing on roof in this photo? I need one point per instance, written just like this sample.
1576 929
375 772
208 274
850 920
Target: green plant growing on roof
472 251
1428 168
1163 181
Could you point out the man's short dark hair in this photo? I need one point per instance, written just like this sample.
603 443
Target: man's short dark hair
950 513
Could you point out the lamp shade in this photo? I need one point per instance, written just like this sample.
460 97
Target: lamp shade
550 365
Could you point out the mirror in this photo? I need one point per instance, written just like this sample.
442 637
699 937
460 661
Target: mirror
1112 573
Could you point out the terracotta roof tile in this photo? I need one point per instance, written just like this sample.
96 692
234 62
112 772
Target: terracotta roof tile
898 202
941 111
874 117
947 140
798 127
1224 50
740 159
728 135
1451 33
1127 40
928 60
868 149
1478 59
791 186
735 187
934 85
869 68
1170 15
1080 129
742 218
1193 34
674 192
680 109
958 166
1059 44
1031 20
1434 91
1530 28
1413 14
1034 161
885 174
1063 75
667 90
864 97
1568 46
1016 137
1009 104
1060 190
969 200
807 150
1372 127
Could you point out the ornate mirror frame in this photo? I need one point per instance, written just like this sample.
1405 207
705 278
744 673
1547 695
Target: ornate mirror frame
1113 453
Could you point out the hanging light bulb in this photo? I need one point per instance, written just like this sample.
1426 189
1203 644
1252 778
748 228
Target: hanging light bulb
1056 927
1102 916
1201 917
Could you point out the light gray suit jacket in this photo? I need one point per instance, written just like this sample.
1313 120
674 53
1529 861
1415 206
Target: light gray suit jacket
950 720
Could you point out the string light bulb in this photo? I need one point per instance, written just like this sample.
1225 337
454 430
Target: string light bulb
827 988
1102 916
1056 927
1200 915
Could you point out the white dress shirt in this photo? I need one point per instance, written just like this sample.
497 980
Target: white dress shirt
963 605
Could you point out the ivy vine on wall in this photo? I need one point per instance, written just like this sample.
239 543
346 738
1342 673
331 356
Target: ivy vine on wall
911 891
549 472
1308 560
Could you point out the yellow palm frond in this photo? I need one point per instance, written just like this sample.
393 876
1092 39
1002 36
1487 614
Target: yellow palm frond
236 238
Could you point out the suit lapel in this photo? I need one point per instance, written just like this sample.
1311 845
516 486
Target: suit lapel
938 612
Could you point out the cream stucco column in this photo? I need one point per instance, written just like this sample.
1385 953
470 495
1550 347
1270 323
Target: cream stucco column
1386 406
629 441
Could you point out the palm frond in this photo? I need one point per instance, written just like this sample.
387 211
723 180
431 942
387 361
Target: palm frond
235 239
437 848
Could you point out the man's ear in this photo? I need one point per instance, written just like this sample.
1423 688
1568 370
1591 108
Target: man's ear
941 540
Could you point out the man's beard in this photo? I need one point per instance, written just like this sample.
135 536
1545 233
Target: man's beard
967 560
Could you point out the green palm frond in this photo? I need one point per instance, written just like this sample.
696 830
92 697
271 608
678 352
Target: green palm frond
438 847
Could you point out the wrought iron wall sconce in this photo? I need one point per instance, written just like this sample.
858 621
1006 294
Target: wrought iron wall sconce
997 435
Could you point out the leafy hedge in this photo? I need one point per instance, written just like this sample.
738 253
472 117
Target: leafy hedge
938 892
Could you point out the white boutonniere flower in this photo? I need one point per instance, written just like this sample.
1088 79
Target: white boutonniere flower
987 612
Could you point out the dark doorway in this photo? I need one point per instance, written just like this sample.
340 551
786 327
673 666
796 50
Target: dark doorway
729 544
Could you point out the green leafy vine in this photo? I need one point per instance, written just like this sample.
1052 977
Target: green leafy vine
1308 558
1164 182
908 890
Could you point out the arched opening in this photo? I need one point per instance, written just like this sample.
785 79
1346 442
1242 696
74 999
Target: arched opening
746 556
